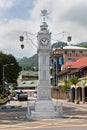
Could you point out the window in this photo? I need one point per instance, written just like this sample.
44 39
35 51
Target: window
70 59
60 60
73 51
65 52
81 51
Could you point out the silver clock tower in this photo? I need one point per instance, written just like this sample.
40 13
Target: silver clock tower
44 107
44 46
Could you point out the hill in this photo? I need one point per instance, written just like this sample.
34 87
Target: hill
82 44
58 45
29 63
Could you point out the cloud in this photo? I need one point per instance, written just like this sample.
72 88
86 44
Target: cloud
9 40
6 4
76 14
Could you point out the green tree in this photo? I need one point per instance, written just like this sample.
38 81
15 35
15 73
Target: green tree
74 80
10 71
66 85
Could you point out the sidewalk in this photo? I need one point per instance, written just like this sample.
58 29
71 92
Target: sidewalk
81 105
73 110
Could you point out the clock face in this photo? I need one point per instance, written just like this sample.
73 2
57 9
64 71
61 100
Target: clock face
44 41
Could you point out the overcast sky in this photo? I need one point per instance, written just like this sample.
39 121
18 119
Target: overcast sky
18 16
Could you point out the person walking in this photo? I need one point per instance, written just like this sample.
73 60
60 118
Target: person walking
9 98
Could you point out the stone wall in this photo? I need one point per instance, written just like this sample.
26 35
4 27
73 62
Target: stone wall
58 94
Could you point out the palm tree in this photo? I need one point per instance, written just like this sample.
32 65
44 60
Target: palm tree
66 88
74 80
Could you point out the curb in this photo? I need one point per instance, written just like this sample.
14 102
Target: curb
8 107
79 117
74 117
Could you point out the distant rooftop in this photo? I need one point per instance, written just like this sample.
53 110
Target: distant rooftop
29 73
32 83
74 47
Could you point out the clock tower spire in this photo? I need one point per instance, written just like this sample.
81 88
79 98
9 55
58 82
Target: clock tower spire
44 36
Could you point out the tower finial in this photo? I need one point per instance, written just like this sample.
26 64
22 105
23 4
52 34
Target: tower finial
44 15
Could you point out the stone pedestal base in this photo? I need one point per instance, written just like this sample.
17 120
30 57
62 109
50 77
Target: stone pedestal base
44 109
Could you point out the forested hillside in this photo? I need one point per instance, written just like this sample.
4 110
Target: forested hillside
29 63
82 44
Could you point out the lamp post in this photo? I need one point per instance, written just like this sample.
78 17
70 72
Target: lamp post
28 37
4 71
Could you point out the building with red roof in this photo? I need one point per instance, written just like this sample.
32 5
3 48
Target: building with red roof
81 62
78 69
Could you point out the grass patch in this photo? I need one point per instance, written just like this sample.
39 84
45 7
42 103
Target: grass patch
3 100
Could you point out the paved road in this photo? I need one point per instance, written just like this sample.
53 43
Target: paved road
13 117
51 124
